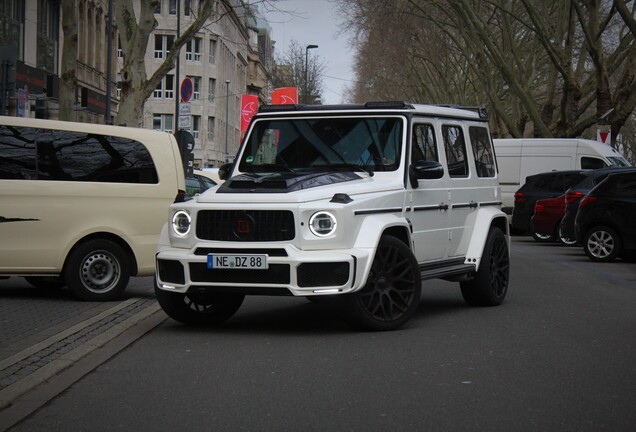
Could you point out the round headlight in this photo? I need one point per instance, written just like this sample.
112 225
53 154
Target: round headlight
322 224
181 223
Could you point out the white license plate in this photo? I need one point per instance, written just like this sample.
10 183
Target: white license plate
249 262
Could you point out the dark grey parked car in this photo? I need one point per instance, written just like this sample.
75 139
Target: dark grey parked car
605 220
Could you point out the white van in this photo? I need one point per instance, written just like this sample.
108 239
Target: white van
83 204
518 158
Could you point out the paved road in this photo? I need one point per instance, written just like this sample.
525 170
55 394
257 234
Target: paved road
560 355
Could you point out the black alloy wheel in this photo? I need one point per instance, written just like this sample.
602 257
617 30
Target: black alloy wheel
490 285
392 292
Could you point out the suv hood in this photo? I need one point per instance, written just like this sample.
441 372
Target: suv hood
284 187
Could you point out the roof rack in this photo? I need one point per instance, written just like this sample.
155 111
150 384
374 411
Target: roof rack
483 113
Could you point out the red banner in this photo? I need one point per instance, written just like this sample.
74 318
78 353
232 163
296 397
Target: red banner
285 95
249 106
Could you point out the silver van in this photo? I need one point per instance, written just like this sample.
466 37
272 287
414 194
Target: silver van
83 204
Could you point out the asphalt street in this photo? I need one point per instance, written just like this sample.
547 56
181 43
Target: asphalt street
559 354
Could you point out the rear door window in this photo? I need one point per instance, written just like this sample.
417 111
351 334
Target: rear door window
482 151
455 148
17 153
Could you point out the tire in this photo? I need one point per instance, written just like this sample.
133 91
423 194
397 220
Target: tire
392 292
97 270
46 282
566 241
602 244
490 285
198 309
543 238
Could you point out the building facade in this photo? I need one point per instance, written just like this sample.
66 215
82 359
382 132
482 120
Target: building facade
223 61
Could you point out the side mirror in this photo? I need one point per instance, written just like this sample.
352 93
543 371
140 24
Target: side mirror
224 171
427 170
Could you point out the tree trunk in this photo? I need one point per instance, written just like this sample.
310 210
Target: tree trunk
68 75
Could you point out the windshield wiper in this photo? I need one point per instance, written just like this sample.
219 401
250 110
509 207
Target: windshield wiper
270 168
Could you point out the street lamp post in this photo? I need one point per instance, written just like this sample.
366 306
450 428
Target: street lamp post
305 95
227 114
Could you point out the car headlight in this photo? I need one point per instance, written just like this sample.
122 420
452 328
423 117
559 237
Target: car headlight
322 224
181 223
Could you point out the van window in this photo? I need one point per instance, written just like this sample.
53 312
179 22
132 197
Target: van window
73 156
455 147
17 153
482 151
592 163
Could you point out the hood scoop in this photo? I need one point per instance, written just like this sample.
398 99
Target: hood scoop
283 182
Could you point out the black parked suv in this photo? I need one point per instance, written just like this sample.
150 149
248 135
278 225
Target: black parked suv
574 195
539 186
605 221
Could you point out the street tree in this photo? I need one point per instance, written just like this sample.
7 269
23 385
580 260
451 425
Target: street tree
295 66
543 68
68 75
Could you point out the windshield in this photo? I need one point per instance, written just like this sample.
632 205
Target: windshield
324 143
618 162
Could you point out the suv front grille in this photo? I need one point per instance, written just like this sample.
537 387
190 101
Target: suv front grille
245 225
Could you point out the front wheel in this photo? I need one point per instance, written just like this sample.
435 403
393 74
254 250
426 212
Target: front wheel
392 292
199 309
602 244
97 270
490 285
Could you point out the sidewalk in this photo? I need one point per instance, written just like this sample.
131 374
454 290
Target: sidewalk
45 335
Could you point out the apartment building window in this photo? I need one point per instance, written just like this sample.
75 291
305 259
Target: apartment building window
212 54
163 44
120 51
165 88
162 122
48 35
211 89
210 128
186 7
196 126
193 50
196 87
172 7
158 7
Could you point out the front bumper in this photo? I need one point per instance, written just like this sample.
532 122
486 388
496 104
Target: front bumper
291 271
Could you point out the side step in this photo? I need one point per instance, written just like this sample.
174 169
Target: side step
446 269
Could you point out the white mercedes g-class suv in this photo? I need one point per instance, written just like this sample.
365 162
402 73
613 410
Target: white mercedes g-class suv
359 203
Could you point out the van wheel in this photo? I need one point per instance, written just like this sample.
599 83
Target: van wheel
46 282
199 309
490 285
602 244
392 292
97 270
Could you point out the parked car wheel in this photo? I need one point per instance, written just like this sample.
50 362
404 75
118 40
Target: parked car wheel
46 282
392 292
490 285
544 238
602 244
199 309
97 270
563 239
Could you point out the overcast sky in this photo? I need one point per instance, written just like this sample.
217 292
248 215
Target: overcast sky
315 22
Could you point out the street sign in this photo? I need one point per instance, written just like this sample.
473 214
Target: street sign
185 122
185 108
604 134
186 89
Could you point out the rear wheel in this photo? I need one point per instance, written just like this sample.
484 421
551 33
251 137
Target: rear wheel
490 285
392 292
567 241
543 238
97 270
602 244
46 282
199 309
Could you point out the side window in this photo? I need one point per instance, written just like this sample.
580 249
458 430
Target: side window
17 153
424 143
626 186
76 156
455 148
548 182
592 163
482 151
570 180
